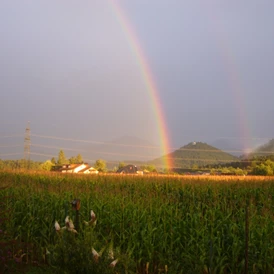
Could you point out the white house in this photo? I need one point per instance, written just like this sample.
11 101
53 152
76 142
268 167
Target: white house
78 168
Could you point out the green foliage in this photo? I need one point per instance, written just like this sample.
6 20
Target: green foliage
264 168
73 253
79 159
100 165
149 168
72 160
47 165
76 160
183 224
121 165
53 161
62 160
19 164
239 171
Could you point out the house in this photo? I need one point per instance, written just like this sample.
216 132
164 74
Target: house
78 168
72 168
129 169
89 170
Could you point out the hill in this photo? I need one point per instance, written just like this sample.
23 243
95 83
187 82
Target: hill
197 154
263 150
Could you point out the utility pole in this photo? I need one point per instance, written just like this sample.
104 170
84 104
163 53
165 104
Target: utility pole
27 145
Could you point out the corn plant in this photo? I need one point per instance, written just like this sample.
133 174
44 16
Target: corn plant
160 224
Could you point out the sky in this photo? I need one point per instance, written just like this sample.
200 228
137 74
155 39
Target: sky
68 67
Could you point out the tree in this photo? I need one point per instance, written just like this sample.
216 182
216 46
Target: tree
100 165
79 159
46 165
239 171
72 160
121 165
225 170
62 158
2 164
53 161
262 170
149 168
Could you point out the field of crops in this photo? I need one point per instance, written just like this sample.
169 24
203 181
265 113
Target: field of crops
143 224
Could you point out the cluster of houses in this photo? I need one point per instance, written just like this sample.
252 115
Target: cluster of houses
84 168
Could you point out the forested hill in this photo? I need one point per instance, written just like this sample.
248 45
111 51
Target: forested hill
197 154
264 150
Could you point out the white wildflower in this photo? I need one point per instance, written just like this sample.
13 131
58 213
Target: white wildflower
95 254
57 226
112 264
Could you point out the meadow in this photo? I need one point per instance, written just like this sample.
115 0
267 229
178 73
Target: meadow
144 224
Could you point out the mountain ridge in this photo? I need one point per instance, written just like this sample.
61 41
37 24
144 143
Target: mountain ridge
196 154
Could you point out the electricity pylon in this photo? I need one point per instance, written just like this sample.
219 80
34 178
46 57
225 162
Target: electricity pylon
27 144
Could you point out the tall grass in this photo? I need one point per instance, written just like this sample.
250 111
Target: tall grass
154 224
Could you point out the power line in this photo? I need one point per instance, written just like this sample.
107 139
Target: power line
91 151
149 158
134 155
9 154
130 145
51 155
11 136
117 162
27 143
10 145
93 142
175 158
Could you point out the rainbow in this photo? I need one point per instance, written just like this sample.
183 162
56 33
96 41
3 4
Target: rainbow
145 70
233 76
237 92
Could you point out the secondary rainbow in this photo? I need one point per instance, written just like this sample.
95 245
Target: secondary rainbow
233 75
148 78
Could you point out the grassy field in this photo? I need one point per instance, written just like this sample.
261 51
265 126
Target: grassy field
145 224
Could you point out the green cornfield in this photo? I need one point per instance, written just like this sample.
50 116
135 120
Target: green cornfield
144 224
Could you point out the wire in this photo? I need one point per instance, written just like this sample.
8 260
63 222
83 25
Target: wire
50 155
91 151
10 154
149 157
174 167
11 136
10 145
184 159
134 155
91 141
140 146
